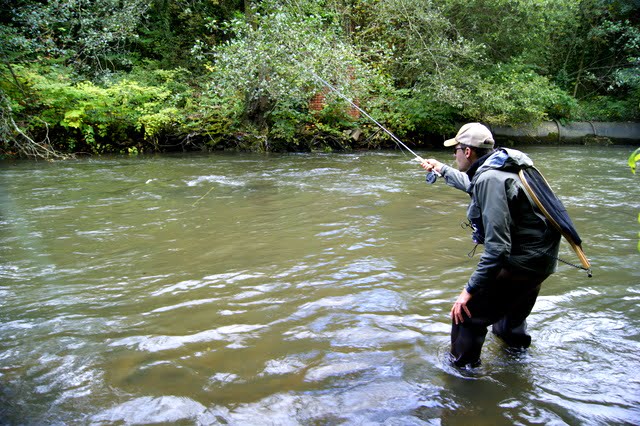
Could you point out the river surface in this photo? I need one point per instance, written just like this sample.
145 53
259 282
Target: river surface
310 289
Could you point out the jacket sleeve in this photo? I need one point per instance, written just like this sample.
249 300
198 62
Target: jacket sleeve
491 195
455 178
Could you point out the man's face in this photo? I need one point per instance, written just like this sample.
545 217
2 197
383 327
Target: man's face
462 156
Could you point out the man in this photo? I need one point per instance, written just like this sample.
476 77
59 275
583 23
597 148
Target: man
520 246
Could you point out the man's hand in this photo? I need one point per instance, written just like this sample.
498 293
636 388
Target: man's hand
459 306
431 164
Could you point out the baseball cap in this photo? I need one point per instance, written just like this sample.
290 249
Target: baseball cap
472 134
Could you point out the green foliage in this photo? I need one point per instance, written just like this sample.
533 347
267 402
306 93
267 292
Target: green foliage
416 43
112 76
90 36
511 28
598 54
634 158
608 108
513 93
97 116
426 114
171 27
287 52
285 124
446 52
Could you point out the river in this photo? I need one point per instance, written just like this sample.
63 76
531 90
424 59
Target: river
255 289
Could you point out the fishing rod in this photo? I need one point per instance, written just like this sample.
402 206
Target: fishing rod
431 177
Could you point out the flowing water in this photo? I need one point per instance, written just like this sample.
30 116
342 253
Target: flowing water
252 289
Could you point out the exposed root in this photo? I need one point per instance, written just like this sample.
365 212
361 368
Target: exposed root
21 141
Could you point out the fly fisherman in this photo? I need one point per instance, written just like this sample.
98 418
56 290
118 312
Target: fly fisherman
520 246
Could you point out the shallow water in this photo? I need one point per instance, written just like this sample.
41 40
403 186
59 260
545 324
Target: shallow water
298 289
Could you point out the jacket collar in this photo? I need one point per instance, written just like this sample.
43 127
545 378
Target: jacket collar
476 165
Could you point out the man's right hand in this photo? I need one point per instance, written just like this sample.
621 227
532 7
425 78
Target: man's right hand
431 164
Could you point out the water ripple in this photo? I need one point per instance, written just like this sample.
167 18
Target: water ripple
302 289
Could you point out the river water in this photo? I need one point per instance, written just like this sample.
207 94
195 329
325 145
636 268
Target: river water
252 289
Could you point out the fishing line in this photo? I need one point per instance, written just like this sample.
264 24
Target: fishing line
472 253
198 200
566 262
431 177
353 104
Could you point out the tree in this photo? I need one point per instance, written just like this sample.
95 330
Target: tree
458 65
93 36
265 75
599 59
170 28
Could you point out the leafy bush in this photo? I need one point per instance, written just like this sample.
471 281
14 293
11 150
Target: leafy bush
608 108
417 66
271 69
514 93
95 117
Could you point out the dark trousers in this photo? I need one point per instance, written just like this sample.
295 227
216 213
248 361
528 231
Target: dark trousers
506 304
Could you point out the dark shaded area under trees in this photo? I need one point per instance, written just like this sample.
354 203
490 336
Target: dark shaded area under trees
79 76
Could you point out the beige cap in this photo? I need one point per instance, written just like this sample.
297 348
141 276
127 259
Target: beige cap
472 134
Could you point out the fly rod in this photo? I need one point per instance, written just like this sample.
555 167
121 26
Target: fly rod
431 175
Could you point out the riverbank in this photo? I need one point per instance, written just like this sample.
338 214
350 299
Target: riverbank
357 138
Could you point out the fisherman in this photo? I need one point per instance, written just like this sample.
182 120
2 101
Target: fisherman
520 246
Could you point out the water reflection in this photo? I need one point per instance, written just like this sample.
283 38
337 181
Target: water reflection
296 289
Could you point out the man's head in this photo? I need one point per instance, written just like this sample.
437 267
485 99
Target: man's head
472 141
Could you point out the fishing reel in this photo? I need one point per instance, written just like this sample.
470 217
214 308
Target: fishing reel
431 177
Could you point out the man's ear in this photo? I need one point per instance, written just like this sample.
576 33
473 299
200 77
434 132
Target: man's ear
467 152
